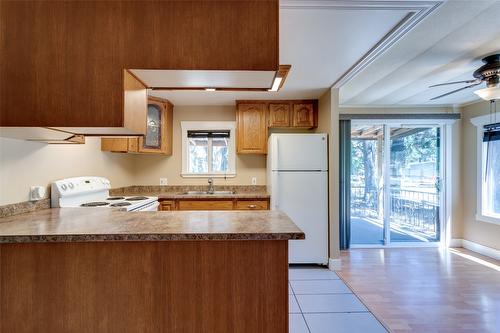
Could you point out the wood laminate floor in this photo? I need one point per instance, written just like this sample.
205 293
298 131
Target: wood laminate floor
426 289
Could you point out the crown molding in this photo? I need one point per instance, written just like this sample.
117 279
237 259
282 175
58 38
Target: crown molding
416 12
358 4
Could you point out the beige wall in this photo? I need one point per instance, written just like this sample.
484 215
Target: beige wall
487 234
149 169
24 163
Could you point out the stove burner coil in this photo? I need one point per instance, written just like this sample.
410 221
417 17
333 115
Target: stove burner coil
94 204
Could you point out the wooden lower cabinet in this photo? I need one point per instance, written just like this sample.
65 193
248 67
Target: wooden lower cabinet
252 205
205 205
167 205
214 204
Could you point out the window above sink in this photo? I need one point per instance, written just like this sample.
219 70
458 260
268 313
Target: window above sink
208 149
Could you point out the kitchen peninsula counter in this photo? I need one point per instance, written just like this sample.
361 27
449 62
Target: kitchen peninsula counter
104 224
106 270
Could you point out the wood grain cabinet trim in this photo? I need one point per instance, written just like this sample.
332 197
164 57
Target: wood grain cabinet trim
279 114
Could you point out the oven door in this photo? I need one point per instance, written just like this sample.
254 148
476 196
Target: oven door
149 207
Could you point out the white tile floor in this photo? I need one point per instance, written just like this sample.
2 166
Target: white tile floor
321 302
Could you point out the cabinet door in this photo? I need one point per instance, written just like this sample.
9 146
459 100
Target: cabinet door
159 132
252 204
166 205
153 136
303 115
279 115
205 205
252 128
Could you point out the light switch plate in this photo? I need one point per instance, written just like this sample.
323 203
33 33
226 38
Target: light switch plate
163 181
254 180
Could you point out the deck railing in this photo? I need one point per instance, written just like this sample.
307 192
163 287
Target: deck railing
411 210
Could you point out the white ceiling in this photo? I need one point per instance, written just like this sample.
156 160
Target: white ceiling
447 46
369 49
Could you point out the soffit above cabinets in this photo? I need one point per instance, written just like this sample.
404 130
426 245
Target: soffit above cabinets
203 79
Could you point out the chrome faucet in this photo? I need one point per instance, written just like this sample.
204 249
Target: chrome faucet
210 185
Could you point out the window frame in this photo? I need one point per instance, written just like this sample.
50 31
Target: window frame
207 126
479 122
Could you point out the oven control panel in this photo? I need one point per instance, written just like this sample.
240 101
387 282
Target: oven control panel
76 185
71 192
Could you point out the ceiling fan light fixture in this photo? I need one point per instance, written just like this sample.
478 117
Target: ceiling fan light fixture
489 94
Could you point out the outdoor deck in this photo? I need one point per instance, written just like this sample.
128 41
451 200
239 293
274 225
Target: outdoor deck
414 216
368 231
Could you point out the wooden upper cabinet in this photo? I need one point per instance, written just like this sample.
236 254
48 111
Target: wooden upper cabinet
251 128
279 114
304 115
159 132
62 62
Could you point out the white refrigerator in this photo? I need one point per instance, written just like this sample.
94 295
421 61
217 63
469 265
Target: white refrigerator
297 166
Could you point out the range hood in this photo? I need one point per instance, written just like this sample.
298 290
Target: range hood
41 134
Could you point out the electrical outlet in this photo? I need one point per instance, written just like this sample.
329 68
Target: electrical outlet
163 181
37 193
254 180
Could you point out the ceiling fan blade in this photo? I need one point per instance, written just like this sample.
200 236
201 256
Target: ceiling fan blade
456 90
455 82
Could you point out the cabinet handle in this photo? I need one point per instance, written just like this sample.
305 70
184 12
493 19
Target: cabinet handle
252 206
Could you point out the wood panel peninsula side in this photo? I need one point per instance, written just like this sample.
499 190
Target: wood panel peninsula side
106 270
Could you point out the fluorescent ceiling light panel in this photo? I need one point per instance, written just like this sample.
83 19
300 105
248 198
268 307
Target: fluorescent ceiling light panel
276 84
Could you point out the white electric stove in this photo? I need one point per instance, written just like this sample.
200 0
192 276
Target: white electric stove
94 192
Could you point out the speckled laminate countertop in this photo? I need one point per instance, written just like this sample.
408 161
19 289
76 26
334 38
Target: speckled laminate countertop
104 224
179 192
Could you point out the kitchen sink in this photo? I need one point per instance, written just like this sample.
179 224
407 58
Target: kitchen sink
206 192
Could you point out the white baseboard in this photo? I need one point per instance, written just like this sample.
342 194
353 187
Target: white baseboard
481 249
455 242
334 264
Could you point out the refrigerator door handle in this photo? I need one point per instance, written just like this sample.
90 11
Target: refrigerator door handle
276 160
276 188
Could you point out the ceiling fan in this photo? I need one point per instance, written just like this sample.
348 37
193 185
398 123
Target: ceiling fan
489 73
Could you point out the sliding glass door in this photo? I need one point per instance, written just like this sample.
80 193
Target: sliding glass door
367 211
395 184
415 181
